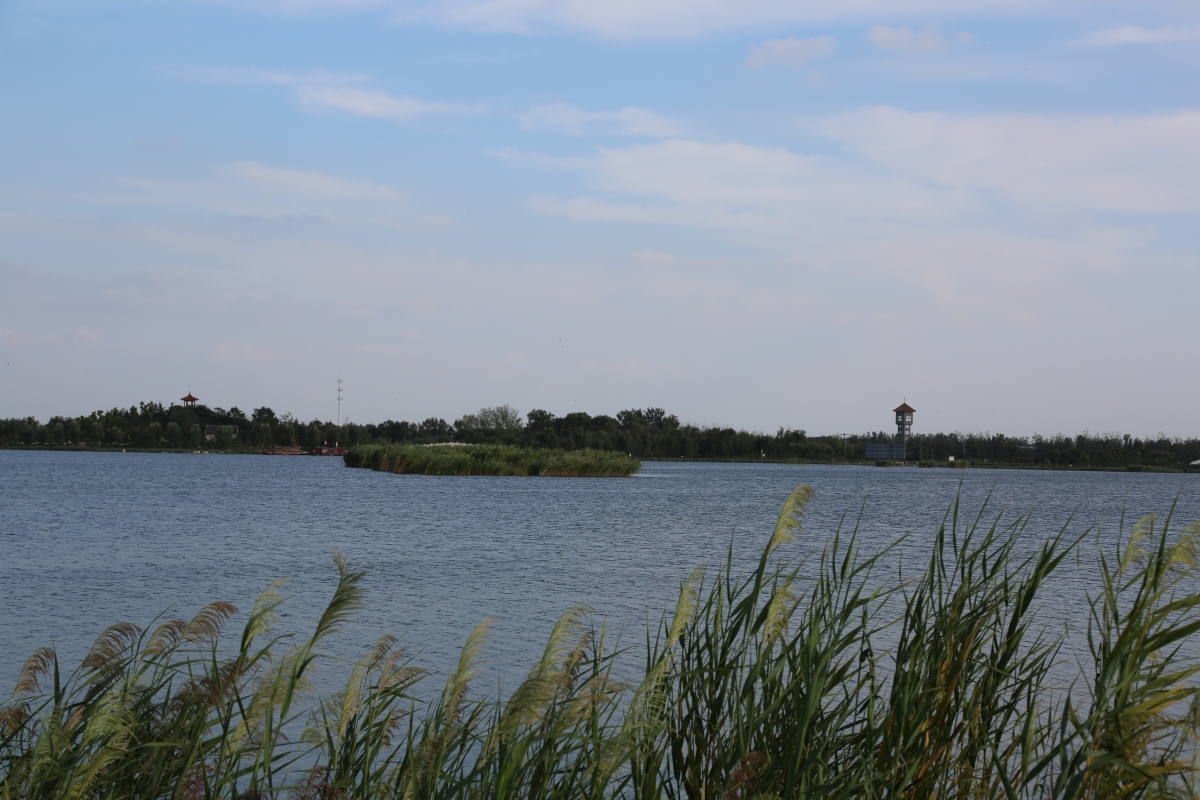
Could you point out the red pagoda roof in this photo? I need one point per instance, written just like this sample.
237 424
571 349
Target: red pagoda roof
189 398
904 408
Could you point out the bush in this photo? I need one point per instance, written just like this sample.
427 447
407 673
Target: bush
490 460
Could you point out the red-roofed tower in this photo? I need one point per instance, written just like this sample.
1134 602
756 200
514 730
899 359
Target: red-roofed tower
189 401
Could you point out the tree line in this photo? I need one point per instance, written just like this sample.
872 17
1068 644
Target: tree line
648 433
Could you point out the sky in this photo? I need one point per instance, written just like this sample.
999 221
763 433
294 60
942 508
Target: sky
751 213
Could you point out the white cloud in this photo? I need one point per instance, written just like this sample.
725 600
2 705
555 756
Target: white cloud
253 191
894 169
738 185
1134 34
644 19
322 91
291 7
295 182
956 70
790 52
654 258
380 105
1136 164
15 339
253 75
651 19
11 337
906 40
569 119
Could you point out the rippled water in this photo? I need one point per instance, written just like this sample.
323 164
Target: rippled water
88 539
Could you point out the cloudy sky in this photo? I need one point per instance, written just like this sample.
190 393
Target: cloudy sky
757 213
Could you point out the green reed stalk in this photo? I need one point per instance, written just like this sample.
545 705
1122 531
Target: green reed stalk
832 677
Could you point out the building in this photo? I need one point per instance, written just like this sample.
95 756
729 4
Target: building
213 431
190 401
904 414
888 451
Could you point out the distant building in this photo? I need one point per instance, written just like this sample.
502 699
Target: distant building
190 401
889 451
213 431
904 413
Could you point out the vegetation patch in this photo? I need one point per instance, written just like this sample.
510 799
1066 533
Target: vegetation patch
835 678
649 433
491 460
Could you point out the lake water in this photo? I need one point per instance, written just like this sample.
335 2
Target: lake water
89 539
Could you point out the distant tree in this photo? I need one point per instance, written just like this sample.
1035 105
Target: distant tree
263 414
603 422
654 417
154 432
237 413
263 436
629 418
501 417
174 434
649 417
539 420
436 428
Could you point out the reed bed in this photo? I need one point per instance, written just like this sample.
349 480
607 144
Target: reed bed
827 679
486 459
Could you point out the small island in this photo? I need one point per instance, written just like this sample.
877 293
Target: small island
491 459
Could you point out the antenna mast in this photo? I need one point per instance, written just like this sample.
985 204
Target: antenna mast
339 402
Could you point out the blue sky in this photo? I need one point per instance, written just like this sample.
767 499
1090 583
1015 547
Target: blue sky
751 213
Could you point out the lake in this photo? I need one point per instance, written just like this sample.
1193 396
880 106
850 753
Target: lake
89 539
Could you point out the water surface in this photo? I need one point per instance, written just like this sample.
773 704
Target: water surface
88 539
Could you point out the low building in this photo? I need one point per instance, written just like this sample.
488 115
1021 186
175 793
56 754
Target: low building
213 431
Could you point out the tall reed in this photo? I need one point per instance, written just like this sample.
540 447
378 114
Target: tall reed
491 459
831 677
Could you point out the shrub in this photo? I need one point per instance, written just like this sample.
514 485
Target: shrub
490 460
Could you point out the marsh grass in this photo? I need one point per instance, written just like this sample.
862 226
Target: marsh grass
831 678
489 459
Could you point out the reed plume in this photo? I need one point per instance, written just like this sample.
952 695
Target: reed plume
824 677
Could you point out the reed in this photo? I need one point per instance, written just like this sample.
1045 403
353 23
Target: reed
827 678
491 460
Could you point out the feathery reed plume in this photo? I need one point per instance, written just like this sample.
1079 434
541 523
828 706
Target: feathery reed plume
828 677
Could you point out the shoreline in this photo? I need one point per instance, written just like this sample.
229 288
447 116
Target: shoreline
959 465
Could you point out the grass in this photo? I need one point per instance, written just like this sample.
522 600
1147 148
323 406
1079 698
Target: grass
828 679
488 459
